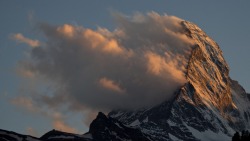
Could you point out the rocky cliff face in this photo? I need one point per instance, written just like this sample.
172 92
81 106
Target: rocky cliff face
210 106
208 73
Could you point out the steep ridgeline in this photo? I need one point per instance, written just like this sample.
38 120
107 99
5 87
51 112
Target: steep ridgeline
210 106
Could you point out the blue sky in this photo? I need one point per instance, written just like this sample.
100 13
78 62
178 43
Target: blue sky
226 22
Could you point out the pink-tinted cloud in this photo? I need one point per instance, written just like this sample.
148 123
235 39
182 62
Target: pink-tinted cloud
111 85
161 66
31 131
58 120
20 38
59 124
25 102
144 58
25 73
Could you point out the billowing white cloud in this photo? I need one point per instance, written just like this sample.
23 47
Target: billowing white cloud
141 63
20 38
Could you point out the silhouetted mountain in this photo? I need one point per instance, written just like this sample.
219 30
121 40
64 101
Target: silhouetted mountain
106 129
55 135
12 136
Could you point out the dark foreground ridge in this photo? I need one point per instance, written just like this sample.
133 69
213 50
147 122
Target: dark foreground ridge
103 128
209 107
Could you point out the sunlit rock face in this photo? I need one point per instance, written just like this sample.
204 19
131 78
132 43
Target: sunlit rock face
210 106
208 72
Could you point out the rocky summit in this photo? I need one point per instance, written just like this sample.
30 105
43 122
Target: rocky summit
209 107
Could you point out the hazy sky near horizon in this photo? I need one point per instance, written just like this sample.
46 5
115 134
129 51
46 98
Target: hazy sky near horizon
227 22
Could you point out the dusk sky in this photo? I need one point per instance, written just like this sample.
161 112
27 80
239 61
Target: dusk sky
22 26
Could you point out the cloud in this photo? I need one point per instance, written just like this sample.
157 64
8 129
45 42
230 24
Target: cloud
58 120
140 63
25 73
20 38
31 131
59 124
159 66
89 116
25 102
111 85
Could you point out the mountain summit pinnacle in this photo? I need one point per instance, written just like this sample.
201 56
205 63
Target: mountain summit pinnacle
208 72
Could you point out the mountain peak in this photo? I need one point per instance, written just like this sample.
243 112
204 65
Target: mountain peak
105 128
101 116
209 104
208 71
